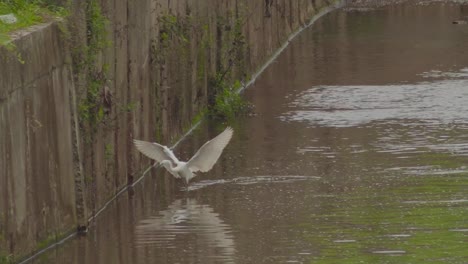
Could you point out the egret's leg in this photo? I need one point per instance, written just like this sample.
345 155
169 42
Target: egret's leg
186 184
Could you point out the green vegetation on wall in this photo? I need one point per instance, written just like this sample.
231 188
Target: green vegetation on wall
6 259
95 99
228 102
213 53
225 101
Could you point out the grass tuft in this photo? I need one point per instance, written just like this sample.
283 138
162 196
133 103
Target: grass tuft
27 13
228 103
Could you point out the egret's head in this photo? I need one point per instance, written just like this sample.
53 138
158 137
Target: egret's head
167 164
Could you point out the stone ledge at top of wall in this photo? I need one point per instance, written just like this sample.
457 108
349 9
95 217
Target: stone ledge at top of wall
39 50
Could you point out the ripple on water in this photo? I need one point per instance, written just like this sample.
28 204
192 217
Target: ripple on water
427 170
459 230
463 73
455 201
344 241
437 102
398 235
248 180
389 252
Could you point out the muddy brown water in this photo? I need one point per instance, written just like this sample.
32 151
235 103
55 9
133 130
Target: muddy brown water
357 153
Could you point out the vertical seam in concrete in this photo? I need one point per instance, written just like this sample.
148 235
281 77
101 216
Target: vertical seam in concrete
81 211
128 117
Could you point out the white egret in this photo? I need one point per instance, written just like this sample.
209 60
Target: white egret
202 161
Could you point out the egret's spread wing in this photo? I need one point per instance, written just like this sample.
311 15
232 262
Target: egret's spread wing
209 153
155 151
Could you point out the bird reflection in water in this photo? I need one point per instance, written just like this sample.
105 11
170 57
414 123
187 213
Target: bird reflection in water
190 230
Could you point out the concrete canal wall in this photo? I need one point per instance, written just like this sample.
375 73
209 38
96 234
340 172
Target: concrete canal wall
82 89
37 189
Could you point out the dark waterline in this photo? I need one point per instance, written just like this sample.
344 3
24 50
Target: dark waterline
357 153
